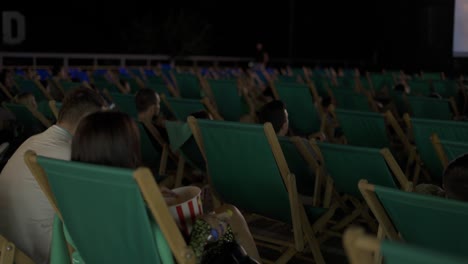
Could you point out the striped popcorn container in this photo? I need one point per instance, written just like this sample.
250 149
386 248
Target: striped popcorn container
188 207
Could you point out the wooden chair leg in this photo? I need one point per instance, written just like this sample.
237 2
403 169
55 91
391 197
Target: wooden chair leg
180 172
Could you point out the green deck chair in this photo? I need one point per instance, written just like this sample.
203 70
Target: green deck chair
249 157
30 119
430 108
350 100
229 104
134 84
363 128
188 85
422 131
125 103
448 150
112 215
181 108
362 249
379 81
345 165
304 118
420 87
34 87
446 88
151 152
432 222
320 84
67 86
183 142
297 161
44 108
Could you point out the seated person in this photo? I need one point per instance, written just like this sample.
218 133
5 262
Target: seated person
148 105
275 112
455 179
111 139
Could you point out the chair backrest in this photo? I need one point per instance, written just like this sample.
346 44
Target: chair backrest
30 121
182 108
68 86
432 222
35 88
150 151
304 118
448 150
362 249
240 155
446 88
351 100
229 103
420 87
430 108
110 202
125 103
181 139
348 164
297 163
103 211
363 128
188 85
448 130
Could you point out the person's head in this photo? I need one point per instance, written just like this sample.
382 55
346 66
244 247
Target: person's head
27 99
147 102
107 138
455 179
259 46
275 112
78 103
202 115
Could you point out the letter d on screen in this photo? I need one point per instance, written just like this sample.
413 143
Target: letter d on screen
9 17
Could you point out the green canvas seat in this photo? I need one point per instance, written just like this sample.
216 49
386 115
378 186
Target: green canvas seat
181 108
125 103
448 150
304 118
104 84
362 249
182 141
350 100
446 88
31 122
454 149
68 86
110 215
229 104
304 172
44 108
363 128
420 87
448 130
430 108
380 81
134 85
346 165
151 152
189 86
246 168
160 88
34 87
431 222
320 84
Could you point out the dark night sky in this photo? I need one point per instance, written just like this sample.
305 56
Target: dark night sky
396 30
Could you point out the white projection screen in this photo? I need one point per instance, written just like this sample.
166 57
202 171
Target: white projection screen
460 29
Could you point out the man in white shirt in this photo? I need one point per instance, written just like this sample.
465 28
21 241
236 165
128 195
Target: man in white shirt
26 216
